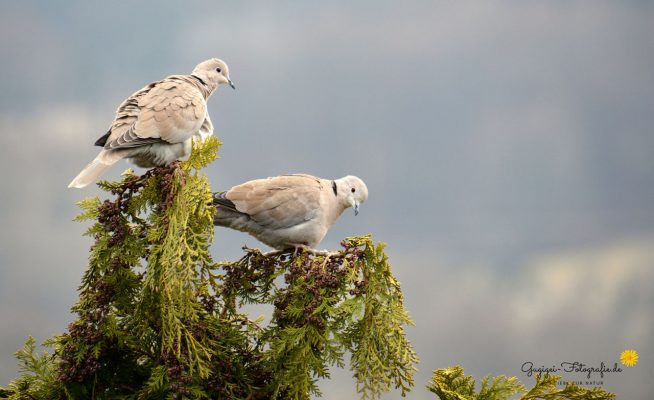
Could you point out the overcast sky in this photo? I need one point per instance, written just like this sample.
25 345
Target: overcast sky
507 146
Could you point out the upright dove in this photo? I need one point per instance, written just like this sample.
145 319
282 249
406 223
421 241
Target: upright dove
156 125
288 211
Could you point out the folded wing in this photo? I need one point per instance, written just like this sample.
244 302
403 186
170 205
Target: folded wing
279 202
170 111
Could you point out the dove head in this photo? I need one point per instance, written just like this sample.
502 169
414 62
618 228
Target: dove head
353 191
213 72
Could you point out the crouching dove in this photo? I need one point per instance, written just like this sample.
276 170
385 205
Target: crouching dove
156 125
288 211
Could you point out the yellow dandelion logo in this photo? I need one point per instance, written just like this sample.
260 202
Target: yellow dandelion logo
629 358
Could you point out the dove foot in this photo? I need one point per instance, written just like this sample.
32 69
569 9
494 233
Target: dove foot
295 250
315 252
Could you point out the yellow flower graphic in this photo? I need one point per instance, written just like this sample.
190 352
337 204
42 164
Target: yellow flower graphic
629 358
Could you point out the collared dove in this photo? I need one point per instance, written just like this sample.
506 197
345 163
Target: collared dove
288 211
156 125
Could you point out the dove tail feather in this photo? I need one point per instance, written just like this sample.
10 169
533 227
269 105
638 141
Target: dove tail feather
103 140
91 172
230 218
227 214
220 199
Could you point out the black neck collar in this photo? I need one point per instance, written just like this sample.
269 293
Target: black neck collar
200 79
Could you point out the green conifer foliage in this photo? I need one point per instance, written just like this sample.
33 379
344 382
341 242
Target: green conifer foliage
452 384
157 318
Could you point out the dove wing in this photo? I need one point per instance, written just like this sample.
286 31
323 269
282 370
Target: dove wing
171 110
279 202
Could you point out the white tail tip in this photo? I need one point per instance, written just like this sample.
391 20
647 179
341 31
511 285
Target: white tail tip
89 174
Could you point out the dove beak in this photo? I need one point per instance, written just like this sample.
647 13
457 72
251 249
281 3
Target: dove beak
231 83
356 208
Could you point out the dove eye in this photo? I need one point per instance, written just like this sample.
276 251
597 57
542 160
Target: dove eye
353 190
218 70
